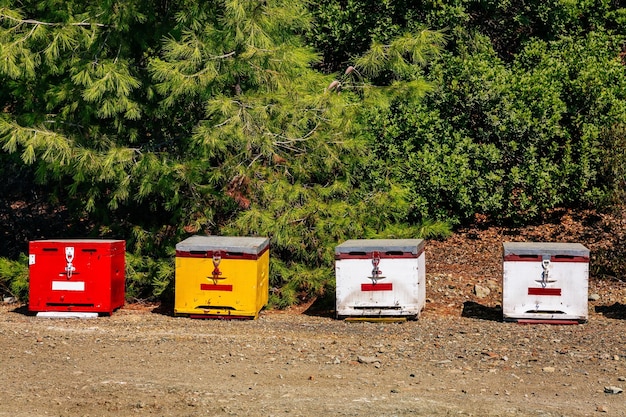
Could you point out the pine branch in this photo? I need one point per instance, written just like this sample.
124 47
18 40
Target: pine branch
300 139
228 55
39 22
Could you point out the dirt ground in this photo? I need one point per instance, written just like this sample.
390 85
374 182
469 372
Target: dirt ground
458 359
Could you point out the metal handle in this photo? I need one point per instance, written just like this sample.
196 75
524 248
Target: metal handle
376 272
217 258
69 257
545 264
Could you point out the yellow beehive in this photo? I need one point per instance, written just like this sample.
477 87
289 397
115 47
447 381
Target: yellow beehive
221 277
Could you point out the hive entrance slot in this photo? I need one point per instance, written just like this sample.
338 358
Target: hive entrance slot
215 307
547 312
377 307
69 305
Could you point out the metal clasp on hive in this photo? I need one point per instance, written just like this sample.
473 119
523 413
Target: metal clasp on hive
376 272
69 258
217 258
545 265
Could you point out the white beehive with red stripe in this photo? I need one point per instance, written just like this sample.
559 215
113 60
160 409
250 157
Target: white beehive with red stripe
380 278
545 281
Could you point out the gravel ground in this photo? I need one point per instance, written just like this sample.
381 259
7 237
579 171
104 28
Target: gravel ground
138 362
458 359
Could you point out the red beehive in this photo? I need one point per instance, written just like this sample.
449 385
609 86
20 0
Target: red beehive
78 275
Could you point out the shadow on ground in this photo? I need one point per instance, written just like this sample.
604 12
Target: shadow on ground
23 310
474 310
615 311
164 309
322 307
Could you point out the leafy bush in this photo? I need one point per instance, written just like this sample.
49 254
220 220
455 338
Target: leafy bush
149 278
509 141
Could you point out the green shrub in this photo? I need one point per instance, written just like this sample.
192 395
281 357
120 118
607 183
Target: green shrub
149 278
14 278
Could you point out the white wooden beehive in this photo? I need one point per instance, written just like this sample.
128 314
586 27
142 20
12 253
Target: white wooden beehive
380 278
545 281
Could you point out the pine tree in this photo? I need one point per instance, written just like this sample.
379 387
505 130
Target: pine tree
222 126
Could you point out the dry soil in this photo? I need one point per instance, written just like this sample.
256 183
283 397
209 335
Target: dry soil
458 359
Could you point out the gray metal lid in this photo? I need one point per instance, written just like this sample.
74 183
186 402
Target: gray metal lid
414 246
249 245
544 248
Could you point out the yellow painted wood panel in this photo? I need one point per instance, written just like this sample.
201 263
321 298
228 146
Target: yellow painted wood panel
240 290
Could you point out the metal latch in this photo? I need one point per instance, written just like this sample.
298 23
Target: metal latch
69 257
376 272
545 274
215 275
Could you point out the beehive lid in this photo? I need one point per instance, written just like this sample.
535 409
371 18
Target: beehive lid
247 245
414 246
544 248
77 241
52 246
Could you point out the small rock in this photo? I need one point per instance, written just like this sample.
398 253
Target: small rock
615 357
594 297
613 390
548 369
480 291
493 285
621 378
602 409
368 359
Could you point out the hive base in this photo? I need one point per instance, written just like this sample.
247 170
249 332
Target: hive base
546 321
67 315
216 316
376 319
